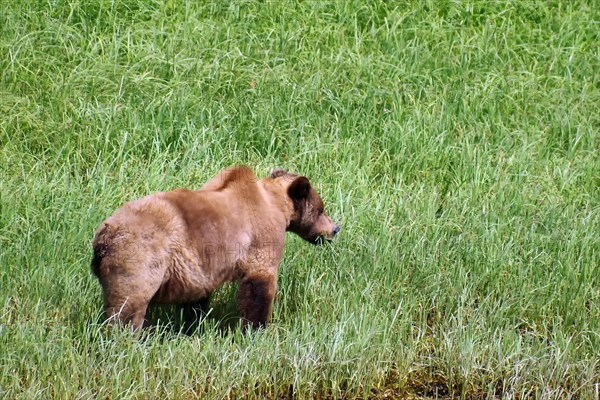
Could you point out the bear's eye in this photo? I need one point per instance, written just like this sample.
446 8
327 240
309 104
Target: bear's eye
321 210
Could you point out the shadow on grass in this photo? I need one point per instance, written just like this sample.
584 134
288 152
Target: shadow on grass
168 322
222 316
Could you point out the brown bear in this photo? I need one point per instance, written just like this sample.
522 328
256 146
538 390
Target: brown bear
178 247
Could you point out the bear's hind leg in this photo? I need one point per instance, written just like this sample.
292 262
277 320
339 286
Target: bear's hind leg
127 296
128 313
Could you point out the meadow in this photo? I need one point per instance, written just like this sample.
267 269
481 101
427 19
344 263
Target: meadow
456 142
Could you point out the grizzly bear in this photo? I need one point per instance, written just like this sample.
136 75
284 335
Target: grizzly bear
178 247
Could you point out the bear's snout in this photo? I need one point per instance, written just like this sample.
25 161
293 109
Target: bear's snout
327 237
336 230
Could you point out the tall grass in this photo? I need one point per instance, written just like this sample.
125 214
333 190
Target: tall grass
455 141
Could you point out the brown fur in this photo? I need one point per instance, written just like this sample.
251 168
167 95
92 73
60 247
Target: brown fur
178 247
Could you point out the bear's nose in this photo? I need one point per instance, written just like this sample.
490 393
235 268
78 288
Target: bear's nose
336 230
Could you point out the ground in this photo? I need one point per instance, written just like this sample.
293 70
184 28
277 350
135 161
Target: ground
456 142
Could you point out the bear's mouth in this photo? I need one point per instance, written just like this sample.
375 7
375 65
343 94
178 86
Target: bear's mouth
319 240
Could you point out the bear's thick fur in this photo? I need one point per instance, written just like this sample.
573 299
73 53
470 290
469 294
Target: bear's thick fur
178 247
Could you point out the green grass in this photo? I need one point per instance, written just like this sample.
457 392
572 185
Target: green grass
457 143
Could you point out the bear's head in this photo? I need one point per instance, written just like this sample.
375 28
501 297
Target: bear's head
308 219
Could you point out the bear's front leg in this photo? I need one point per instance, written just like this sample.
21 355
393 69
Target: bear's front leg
255 298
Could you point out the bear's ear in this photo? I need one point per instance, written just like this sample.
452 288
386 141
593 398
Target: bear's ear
299 189
277 173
